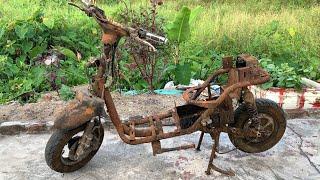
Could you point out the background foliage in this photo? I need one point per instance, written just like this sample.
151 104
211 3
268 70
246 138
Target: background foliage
283 34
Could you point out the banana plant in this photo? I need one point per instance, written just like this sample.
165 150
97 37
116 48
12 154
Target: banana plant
178 32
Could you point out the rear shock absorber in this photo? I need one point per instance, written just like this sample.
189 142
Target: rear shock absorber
250 104
253 113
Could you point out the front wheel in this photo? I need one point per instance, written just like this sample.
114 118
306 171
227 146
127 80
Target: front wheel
272 122
62 147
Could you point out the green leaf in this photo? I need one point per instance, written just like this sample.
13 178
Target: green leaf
11 70
2 31
38 75
195 13
37 15
292 31
290 85
26 46
36 51
267 85
85 45
64 39
21 31
140 85
20 61
179 30
313 74
183 73
66 93
94 31
271 66
27 85
67 52
170 68
49 22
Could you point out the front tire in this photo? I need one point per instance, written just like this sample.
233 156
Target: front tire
62 139
271 116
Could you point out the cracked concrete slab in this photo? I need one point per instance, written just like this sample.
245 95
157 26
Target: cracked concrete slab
296 156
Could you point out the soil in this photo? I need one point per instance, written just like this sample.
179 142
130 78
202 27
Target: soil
49 103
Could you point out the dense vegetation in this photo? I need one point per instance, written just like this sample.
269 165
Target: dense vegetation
283 34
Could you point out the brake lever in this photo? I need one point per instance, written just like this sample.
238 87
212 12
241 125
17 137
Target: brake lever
144 42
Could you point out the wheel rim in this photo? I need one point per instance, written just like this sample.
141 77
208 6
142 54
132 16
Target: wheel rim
69 149
266 128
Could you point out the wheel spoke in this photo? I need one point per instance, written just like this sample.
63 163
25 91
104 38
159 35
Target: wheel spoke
266 128
267 124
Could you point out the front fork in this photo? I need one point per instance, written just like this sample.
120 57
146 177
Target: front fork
88 141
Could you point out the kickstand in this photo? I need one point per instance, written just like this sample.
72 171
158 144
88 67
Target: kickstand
200 141
215 137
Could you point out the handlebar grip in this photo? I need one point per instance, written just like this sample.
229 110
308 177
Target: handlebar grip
157 38
143 34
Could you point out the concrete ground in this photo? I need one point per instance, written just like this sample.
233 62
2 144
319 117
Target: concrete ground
296 156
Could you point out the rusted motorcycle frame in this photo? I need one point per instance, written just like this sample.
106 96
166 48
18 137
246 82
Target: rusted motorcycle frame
212 114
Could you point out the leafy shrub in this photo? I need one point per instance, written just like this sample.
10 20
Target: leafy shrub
26 42
281 76
66 93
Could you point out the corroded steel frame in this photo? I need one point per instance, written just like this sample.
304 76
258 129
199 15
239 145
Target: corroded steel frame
155 132
238 80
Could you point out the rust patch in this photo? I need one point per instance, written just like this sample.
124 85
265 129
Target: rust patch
109 38
89 112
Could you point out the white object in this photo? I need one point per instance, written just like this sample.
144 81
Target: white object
310 83
51 59
193 83
169 86
216 89
196 82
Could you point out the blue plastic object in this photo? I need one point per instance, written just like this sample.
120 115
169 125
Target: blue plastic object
158 91
132 93
168 92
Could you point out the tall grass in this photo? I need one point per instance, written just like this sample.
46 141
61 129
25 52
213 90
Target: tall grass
235 26
228 26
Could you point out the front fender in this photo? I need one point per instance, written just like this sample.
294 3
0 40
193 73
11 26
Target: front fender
79 111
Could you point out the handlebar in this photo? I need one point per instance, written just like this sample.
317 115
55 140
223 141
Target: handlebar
142 36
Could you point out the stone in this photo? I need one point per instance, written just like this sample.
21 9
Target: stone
12 128
36 128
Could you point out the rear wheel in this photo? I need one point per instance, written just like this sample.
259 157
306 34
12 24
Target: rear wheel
62 145
272 127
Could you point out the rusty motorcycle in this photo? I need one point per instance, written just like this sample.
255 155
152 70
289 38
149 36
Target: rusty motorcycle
253 125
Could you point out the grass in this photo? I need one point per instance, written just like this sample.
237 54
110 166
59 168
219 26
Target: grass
227 26
241 23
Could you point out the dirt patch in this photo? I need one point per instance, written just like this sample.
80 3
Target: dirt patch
127 106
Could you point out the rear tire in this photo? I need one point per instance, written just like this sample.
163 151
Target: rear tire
55 147
272 112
